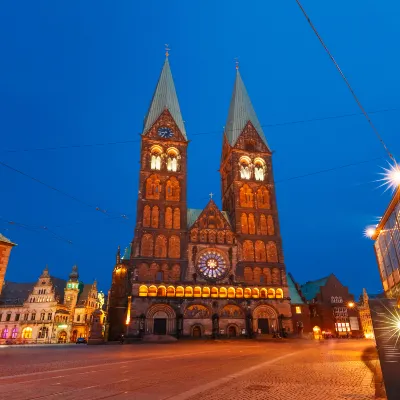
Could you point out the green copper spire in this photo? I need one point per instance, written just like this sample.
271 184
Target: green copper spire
241 111
164 98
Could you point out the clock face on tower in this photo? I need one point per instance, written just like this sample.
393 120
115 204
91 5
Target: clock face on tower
212 265
165 132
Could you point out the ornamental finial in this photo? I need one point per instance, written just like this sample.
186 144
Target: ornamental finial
211 195
167 49
237 63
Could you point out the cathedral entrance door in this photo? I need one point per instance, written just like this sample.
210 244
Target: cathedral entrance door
196 331
263 325
160 326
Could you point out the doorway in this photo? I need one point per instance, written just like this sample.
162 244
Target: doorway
196 332
160 326
62 337
263 325
232 331
74 336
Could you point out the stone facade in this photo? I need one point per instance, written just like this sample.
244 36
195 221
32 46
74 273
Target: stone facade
52 310
5 249
202 272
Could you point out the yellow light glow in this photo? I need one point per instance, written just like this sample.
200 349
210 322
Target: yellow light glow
391 177
351 304
369 232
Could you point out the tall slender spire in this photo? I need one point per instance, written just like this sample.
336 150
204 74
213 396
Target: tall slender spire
164 98
241 111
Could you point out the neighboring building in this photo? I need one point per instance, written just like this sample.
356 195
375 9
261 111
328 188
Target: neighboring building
332 308
5 249
365 316
387 247
300 308
52 310
204 271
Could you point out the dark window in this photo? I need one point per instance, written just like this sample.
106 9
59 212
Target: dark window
78 318
49 316
26 317
8 317
160 276
17 317
1 316
42 316
33 316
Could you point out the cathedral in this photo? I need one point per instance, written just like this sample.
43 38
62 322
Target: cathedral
202 272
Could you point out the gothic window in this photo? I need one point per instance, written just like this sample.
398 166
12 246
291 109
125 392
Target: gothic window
155 157
173 190
272 252
194 235
248 274
147 245
244 223
153 187
245 167
246 196
174 248
276 276
168 218
263 225
160 249
249 145
221 236
229 237
252 224
212 236
155 216
248 250
263 198
260 251
257 274
177 218
270 224
176 272
172 160
259 169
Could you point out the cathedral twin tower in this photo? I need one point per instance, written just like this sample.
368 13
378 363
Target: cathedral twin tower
196 272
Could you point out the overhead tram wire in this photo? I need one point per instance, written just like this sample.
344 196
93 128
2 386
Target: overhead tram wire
77 146
59 191
364 112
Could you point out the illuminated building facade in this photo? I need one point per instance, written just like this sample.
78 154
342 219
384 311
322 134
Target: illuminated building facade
201 272
5 249
52 310
365 316
387 247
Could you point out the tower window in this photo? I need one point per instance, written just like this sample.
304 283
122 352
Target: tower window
259 169
249 145
298 310
244 167
155 159
172 160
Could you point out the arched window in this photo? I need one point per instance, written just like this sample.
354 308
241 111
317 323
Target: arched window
248 250
174 248
168 218
14 333
246 196
263 225
263 200
4 333
244 167
177 218
27 333
172 189
153 187
155 158
267 274
244 223
270 224
252 224
260 251
147 245
172 160
160 249
276 276
155 216
259 169
248 274
272 252
146 216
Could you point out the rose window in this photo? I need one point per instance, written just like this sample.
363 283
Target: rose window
212 265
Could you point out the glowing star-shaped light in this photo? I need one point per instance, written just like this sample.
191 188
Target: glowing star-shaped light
391 325
369 232
391 177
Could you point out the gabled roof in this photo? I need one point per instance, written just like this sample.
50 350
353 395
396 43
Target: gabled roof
294 294
311 288
3 239
83 295
192 215
164 98
15 293
241 111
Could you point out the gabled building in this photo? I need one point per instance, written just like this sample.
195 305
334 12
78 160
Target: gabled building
51 310
202 272
5 249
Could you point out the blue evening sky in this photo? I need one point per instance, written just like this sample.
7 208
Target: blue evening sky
76 73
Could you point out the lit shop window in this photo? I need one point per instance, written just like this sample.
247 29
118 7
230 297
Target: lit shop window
298 310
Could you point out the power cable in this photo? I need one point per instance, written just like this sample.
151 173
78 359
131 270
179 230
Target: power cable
347 83
195 134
